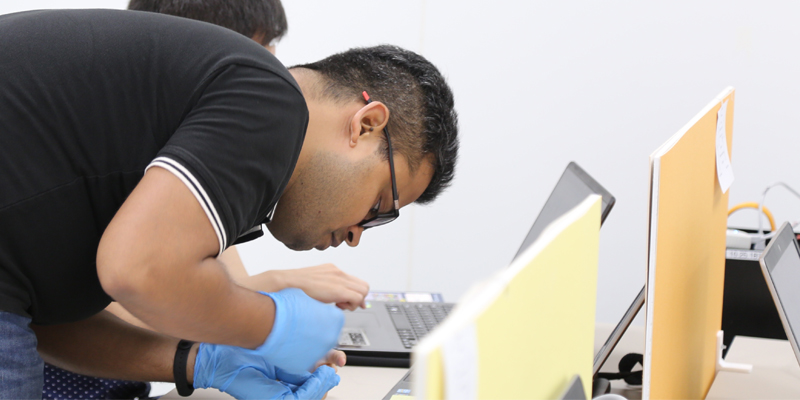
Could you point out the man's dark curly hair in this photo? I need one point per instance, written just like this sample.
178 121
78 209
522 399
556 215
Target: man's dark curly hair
264 20
422 121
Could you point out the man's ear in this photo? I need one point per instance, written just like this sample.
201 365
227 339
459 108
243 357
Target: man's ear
371 118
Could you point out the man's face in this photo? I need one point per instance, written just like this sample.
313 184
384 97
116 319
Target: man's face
336 192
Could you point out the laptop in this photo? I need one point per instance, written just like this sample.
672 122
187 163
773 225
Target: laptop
403 387
605 351
780 263
384 333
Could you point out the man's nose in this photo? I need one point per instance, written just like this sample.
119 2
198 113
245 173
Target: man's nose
354 235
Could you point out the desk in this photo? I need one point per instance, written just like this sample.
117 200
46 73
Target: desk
357 383
776 373
372 383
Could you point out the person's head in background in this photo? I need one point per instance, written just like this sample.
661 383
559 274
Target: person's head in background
261 20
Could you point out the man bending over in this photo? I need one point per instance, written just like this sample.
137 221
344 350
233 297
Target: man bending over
138 147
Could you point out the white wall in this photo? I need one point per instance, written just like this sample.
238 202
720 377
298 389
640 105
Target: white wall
538 84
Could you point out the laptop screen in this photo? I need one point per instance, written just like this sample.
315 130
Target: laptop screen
785 274
573 187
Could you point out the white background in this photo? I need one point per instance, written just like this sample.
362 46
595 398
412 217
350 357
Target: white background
538 84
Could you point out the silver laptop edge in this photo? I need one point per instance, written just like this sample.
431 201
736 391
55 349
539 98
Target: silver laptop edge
552 208
619 330
784 241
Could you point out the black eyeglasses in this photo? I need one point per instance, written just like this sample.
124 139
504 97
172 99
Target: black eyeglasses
384 218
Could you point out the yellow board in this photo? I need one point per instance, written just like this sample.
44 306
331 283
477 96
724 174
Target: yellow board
686 260
534 321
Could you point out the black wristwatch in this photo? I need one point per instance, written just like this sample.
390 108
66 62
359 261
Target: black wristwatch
179 368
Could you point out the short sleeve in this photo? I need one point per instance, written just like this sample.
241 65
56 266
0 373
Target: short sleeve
237 147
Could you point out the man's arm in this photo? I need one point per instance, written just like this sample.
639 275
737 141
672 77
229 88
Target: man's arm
233 263
157 259
108 347
125 315
326 282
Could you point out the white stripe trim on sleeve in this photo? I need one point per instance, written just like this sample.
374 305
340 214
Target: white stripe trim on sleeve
271 213
199 193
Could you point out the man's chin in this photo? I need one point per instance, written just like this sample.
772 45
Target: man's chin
297 240
298 247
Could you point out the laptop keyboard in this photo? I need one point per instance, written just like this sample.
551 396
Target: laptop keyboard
415 320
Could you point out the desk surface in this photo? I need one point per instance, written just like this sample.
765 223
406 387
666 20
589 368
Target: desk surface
357 383
776 373
373 383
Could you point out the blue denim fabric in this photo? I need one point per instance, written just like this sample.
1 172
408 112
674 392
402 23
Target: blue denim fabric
21 368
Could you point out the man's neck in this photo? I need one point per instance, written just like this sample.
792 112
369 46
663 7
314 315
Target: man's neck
308 81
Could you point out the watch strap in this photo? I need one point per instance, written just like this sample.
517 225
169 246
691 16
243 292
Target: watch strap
179 368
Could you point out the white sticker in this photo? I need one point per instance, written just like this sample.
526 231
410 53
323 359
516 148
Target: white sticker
460 355
724 169
353 337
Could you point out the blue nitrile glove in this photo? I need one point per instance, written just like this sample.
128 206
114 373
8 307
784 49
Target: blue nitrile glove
252 384
303 333
245 375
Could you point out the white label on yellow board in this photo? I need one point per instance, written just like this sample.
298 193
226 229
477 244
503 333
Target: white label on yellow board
724 169
460 357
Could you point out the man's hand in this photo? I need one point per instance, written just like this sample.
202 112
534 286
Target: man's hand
304 331
245 375
334 359
251 383
325 283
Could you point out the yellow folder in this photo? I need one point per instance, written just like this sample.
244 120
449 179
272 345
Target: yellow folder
686 259
527 331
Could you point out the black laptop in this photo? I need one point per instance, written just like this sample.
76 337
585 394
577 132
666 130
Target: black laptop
384 333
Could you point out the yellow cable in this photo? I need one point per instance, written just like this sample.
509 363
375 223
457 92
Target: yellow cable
753 204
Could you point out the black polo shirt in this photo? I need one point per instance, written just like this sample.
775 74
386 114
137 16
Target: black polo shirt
88 100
